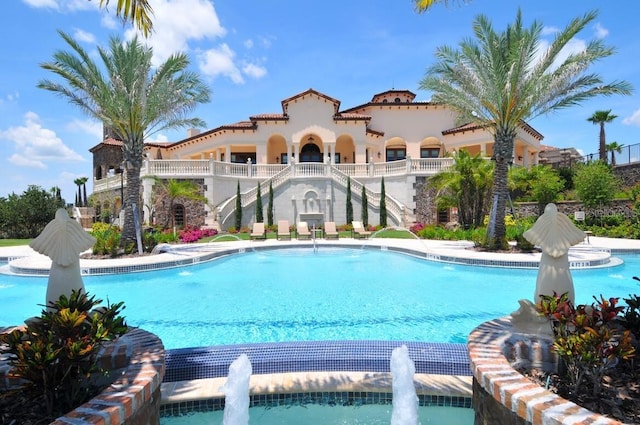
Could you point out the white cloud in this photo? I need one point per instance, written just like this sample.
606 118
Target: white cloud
253 70
91 127
81 35
550 30
35 145
601 32
51 4
248 44
159 139
215 62
634 119
175 23
109 21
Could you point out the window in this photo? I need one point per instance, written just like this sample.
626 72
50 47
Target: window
396 154
178 215
396 100
429 152
242 158
443 216
310 153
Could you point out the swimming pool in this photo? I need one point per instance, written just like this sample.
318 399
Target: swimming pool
299 295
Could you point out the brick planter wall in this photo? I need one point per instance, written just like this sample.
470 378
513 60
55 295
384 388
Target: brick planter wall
501 395
136 360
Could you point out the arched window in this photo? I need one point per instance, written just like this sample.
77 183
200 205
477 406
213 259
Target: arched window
310 153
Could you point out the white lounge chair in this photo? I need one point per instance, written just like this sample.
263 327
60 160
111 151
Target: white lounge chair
330 230
258 231
359 231
284 232
302 230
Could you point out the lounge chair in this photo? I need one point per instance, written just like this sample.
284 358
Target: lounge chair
359 231
302 230
330 230
258 231
283 230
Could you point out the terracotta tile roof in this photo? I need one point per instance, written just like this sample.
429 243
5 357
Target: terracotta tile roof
267 117
375 132
349 116
285 102
376 97
106 142
471 127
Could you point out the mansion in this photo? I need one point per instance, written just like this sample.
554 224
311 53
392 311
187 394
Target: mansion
308 154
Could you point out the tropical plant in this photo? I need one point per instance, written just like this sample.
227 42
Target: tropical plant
383 205
349 213
595 184
365 207
586 338
173 190
614 148
57 352
259 213
134 99
238 210
540 183
424 5
137 12
465 186
499 80
270 206
601 118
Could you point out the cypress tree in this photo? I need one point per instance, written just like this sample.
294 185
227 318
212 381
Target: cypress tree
383 206
238 208
349 204
365 208
270 206
259 217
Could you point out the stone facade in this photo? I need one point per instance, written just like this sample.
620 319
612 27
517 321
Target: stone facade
623 207
194 211
628 174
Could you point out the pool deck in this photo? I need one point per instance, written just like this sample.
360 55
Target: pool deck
592 253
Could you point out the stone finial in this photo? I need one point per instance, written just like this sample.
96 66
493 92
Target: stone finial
62 240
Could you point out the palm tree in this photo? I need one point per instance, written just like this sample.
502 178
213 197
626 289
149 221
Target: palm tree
138 12
602 117
175 189
465 186
614 148
78 182
424 5
133 100
500 80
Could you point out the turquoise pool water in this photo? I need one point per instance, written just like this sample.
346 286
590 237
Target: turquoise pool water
334 294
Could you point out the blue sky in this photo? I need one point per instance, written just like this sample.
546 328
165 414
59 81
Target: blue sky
254 54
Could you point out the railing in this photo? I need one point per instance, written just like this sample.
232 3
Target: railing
227 208
629 154
178 167
394 207
109 183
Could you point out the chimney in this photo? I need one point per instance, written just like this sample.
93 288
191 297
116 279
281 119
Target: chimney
192 132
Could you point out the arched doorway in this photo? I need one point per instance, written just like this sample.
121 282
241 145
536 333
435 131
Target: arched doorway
310 153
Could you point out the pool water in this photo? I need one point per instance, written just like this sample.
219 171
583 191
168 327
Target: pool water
296 295
370 414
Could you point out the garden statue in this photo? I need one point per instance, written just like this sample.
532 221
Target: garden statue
554 233
62 240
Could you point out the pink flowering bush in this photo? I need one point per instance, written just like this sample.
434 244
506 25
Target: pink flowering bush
191 235
416 227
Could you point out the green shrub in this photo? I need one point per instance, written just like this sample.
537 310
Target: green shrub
57 352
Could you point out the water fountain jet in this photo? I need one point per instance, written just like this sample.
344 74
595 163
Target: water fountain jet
236 390
405 399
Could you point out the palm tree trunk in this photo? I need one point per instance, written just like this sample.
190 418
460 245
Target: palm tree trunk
503 155
602 146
